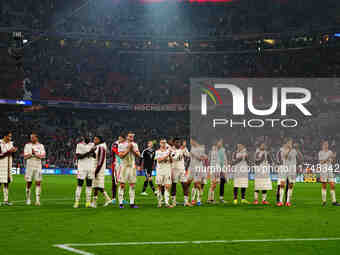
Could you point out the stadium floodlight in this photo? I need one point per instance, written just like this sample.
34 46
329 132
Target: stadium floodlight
337 35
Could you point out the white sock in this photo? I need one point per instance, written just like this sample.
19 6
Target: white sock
199 195
37 193
333 196
159 196
186 199
264 196
193 194
221 198
281 194
88 194
166 196
5 194
28 194
256 195
132 195
289 194
107 197
324 195
120 195
78 193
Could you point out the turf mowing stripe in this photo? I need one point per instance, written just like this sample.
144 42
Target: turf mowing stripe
69 248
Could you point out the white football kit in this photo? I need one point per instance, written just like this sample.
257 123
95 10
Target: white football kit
86 165
262 171
240 170
198 173
163 169
34 164
100 161
127 173
326 169
288 168
5 162
178 167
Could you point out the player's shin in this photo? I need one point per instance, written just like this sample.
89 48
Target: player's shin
5 190
88 194
166 196
289 194
264 195
324 194
333 196
37 192
282 191
78 193
132 193
121 195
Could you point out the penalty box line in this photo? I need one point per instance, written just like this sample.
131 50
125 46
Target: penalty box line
69 247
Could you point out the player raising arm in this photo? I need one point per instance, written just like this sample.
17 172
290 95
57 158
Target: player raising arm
6 159
34 152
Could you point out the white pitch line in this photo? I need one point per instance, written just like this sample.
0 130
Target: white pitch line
69 248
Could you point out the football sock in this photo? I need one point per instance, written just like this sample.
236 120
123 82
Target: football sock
282 191
186 199
132 195
28 193
222 187
193 193
151 185
243 193
114 188
146 182
256 195
37 193
159 196
198 192
88 193
333 195
211 195
173 189
278 194
264 195
289 194
166 196
235 193
78 193
5 194
174 199
324 194
120 195
107 197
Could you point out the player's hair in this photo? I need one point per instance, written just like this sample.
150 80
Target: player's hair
35 134
123 135
176 139
100 138
130 132
162 139
6 133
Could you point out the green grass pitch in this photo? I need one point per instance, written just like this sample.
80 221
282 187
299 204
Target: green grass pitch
35 230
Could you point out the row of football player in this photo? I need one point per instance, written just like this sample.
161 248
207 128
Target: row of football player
170 169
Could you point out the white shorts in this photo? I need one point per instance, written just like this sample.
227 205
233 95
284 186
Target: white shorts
99 182
241 182
263 184
178 175
33 174
126 175
83 174
163 179
4 177
326 176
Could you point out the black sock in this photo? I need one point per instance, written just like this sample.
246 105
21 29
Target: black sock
173 189
114 189
152 187
278 193
243 193
163 190
235 193
145 185
222 187
264 192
